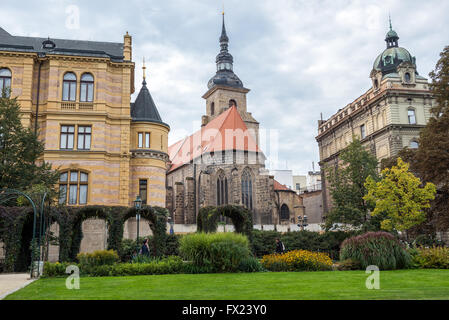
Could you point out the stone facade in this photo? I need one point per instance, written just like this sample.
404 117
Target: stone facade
386 118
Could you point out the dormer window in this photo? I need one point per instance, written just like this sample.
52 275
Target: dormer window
407 77
48 44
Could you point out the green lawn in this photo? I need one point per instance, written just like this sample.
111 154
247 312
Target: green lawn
403 284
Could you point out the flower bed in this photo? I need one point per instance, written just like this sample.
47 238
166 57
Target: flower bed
297 260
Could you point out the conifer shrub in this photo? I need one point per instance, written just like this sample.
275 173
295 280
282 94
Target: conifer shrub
381 249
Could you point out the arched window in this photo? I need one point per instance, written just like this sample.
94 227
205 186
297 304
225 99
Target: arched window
212 108
411 116
247 189
414 144
73 187
232 103
222 190
87 88
407 77
285 213
5 82
69 87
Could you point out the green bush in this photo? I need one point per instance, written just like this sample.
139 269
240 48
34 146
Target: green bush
127 250
424 240
172 246
128 247
215 252
250 264
432 258
98 258
381 249
348 264
55 269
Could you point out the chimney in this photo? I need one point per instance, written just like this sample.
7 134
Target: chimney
127 47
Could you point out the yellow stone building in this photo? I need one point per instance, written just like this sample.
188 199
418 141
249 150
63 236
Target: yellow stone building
107 149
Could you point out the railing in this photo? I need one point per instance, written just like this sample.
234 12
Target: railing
312 188
72 105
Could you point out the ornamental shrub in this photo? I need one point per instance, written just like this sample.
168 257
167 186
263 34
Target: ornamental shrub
432 258
381 249
98 258
297 260
55 269
250 264
215 252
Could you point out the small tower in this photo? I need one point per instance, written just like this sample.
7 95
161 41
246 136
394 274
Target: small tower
225 89
149 149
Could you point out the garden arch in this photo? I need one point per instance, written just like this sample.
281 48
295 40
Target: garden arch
241 218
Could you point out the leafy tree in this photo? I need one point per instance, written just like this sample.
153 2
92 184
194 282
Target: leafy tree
347 188
20 149
399 196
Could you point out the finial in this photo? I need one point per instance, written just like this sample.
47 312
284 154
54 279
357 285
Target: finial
389 18
143 69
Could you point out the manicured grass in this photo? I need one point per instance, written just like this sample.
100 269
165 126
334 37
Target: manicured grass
402 284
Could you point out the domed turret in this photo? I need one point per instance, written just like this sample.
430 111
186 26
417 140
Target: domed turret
393 56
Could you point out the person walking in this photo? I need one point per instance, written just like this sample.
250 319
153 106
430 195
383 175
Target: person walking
145 250
280 248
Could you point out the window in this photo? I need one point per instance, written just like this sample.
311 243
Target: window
285 212
222 190
69 87
232 103
212 108
67 137
411 116
143 187
5 82
298 186
143 140
87 88
73 187
84 137
407 77
363 131
414 144
247 190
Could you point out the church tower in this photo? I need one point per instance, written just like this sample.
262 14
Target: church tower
225 89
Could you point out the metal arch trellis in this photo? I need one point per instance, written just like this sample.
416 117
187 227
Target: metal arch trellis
9 194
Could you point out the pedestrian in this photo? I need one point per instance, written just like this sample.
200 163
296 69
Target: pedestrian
280 248
145 250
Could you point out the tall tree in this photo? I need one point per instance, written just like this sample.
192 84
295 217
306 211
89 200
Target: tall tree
20 149
347 188
432 156
399 197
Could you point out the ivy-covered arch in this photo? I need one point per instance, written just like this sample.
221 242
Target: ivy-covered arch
241 217
157 218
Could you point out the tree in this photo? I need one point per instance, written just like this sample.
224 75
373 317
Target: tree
399 197
20 149
347 188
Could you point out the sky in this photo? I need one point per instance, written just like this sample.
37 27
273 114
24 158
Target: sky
300 58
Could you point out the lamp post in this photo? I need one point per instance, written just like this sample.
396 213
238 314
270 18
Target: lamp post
138 206
302 222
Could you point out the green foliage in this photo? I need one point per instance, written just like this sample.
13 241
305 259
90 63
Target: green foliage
55 269
349 264
297 260
399 198
329 242
250 264
172 245
376 248
432 258
425 240
19 151
208 217
98 258
215 252
347 188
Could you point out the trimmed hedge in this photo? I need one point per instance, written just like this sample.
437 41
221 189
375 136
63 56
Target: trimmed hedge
381 249
98 258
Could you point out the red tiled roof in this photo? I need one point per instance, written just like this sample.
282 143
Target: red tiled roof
225 132
281 187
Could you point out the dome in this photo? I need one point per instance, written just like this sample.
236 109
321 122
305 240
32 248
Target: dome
391 58
225 78
392 34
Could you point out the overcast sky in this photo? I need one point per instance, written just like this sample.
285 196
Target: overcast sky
299 58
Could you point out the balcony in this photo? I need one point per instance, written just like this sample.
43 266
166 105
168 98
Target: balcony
73 105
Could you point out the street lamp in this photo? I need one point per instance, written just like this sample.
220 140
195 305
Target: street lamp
138 206
302 222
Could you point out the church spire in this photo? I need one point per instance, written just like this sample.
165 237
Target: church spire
144 82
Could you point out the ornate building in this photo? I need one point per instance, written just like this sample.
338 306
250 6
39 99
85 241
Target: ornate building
222 163
387 118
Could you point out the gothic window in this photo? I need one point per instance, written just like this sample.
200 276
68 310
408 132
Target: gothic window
69 87
285 212
73 187
411 116
5 81
87 88
247 189
222 190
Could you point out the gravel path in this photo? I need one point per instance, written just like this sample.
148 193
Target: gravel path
12 282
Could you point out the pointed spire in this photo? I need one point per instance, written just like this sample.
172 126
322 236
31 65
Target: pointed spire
389 18
224 36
